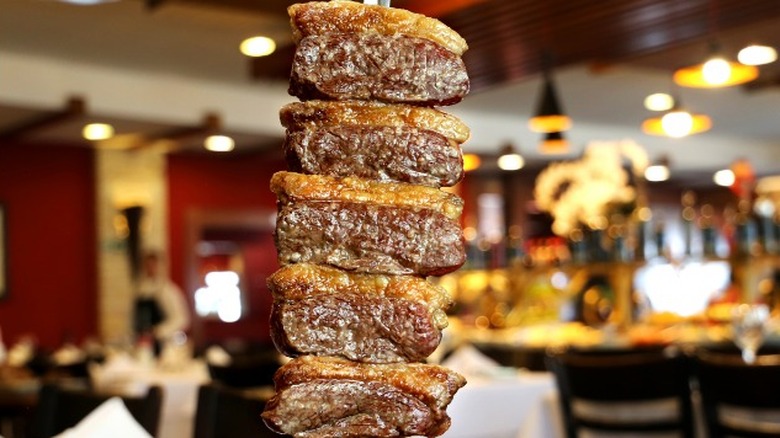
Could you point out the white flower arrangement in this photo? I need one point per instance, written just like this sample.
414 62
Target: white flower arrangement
582 191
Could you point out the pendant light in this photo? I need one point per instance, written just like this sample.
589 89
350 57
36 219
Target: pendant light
658 171
471 162
554 143
549 116
756 54
677 122
716 72
510 159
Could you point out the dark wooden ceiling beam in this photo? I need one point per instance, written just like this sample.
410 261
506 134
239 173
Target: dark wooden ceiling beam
273 7
211 123
74 107
508 39
513 36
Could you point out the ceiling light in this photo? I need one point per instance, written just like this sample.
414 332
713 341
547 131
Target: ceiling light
658 171
554 143
510 159
219 143
724 178
757 55
714 73
471 162
549 117
677 123
258 46
97 131
659 102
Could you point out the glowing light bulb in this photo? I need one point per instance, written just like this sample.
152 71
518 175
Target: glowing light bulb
219 143
258 46
677 123
724 178
659 102
757 55
511 162
97 131
471 162
716 71
657 172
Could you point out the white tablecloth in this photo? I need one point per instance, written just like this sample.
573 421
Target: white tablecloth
503 407
180 392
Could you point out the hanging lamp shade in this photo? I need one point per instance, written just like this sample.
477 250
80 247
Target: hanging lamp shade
554 143
549 117
471 162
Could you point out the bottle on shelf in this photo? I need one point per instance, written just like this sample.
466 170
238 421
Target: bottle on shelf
709 234
688 219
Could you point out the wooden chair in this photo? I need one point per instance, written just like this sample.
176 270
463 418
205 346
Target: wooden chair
60 408
229 412
247 369
644 392
739 399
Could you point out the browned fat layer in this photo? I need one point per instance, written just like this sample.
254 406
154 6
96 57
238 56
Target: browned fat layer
398 154
294 187
369 238
352 409
316 18
357 327
304 280
395 69
433 384
314 114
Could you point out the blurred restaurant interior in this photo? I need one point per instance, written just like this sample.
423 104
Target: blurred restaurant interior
574 242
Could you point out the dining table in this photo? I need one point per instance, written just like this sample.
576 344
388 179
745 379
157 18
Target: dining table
180 386
513 404
18 397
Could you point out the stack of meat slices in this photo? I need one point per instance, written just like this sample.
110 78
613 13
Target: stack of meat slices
363 221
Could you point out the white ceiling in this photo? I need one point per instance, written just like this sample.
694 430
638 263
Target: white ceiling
170 66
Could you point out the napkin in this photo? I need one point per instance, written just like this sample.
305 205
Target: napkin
470 362
109 419
68 354
216 355
119 374
21 353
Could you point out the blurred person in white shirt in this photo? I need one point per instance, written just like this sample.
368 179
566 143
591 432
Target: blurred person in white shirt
160 308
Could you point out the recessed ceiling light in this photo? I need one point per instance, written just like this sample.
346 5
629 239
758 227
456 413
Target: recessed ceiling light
258 46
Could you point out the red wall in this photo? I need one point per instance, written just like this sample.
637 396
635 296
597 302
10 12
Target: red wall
230 183
49 195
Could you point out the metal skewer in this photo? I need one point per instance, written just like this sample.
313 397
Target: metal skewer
385 3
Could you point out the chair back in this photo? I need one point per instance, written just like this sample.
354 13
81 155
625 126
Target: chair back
622 393
61 408
739 399
229 412
252 368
